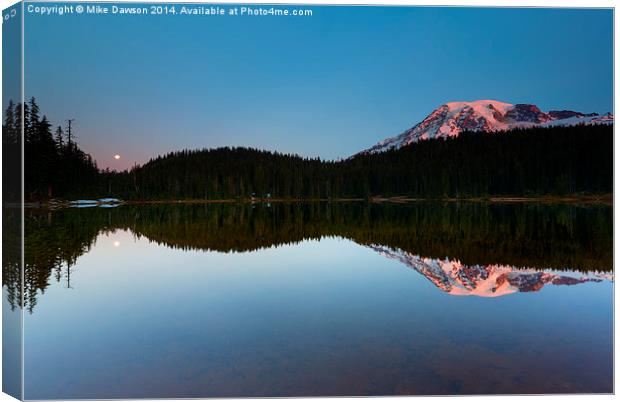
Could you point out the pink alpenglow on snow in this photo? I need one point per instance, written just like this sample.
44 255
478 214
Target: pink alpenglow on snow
452 118
458 279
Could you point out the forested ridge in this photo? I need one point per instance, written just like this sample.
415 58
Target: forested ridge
522 162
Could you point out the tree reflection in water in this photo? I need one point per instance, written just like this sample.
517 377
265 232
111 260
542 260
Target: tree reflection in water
530 236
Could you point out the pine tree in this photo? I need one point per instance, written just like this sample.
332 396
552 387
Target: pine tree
33 120
44 132
59 139
10 134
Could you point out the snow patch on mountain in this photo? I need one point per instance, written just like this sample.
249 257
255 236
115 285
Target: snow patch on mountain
457 279
452 118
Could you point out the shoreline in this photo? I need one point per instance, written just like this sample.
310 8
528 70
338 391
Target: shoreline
604 199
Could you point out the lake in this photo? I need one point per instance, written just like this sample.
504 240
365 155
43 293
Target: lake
313 299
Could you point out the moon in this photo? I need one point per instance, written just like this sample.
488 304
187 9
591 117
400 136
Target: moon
117 156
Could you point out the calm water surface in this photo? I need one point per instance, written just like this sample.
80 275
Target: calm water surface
285 300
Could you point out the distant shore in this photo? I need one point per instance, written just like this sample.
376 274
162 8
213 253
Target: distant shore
604 199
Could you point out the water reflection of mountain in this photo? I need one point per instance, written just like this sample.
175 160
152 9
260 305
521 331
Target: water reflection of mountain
564 237
493 280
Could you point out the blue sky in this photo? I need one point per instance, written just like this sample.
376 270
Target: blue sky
327 85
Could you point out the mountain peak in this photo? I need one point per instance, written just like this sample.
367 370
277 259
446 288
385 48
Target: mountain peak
483 103
452 118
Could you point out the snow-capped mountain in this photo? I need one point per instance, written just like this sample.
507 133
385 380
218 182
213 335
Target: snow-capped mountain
452 118
458 279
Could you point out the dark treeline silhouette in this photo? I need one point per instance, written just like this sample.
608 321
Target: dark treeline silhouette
11 155
532 161
535 161
534 236
54 165
522 162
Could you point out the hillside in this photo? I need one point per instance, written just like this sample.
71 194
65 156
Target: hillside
520 162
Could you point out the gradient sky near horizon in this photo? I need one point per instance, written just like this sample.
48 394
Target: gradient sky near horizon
327 85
